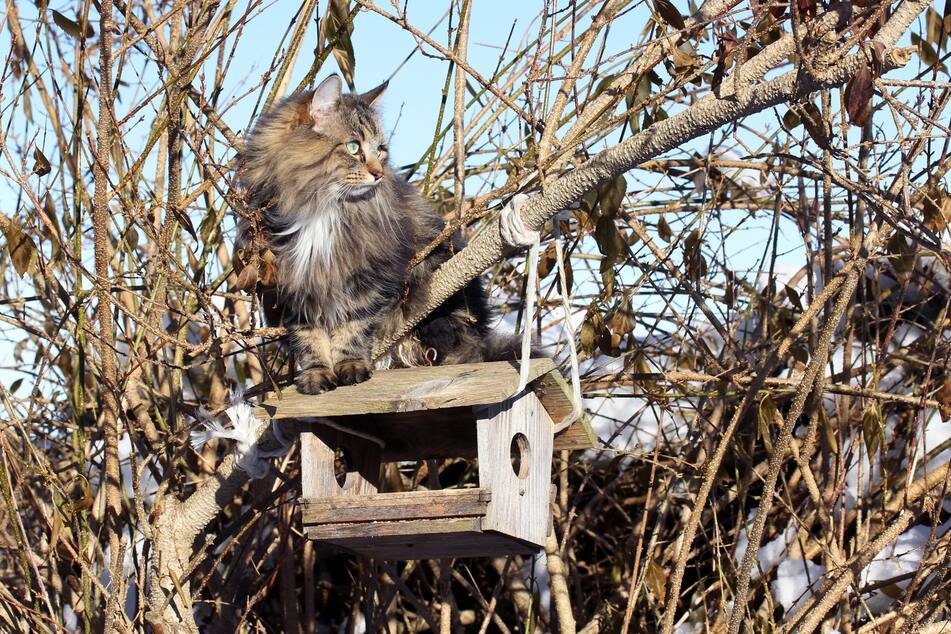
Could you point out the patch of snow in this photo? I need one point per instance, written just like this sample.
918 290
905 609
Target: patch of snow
688 627
769 554
901 557
794 584
359 625
860 474
535 574
936 434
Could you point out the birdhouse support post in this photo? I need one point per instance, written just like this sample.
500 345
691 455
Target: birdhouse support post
361 460
515 440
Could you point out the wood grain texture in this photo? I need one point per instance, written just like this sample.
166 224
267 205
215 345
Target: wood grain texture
420 539
448 503
318 477
409 390
421 413
520 501
408 528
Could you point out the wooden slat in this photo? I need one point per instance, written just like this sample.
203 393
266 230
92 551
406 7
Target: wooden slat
553 391
317 467
409 528
419 539
449 503
519 500
409 390
421 413
578 435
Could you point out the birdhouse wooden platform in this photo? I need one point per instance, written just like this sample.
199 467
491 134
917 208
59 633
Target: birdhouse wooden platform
461 411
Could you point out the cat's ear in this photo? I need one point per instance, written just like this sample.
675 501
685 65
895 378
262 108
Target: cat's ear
372 96
325 97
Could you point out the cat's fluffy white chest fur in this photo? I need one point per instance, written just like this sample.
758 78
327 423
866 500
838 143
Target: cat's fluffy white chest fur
306 259
314 242
320 250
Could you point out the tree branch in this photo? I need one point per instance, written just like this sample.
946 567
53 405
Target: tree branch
706 115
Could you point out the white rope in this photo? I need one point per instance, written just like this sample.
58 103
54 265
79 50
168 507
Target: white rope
512 227
568 331
515 234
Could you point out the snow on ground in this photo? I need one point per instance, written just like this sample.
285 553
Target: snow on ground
861 474
770 553
535 573
936 433
903 556
795 581
688 627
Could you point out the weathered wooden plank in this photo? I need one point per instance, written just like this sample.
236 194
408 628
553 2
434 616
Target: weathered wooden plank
554 393
409 390
410 528
519 426
445 432
384 498
411 505
578 435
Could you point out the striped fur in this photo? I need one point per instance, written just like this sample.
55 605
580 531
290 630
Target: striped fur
343 228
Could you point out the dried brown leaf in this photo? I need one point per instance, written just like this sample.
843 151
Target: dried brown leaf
670 14
72 28
663 229
943 397
80 494
656 580
815 125
19 245
936 209
873 429
41 165
793 295
807 8
766 416
858 95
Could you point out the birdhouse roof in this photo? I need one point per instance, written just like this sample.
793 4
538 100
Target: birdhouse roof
427 412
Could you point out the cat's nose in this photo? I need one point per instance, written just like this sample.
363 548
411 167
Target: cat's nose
376 169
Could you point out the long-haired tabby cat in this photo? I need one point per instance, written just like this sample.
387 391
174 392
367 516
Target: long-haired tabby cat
343 228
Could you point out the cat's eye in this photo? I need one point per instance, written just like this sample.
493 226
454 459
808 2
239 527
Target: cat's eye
353 147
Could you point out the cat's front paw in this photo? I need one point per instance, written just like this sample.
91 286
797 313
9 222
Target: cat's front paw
316 380
351 371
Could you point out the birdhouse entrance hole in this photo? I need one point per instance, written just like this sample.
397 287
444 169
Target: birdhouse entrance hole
521 455
343 466
418 414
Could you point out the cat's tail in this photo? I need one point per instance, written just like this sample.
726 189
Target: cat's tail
504 346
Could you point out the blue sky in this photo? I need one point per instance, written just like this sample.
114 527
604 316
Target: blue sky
411 104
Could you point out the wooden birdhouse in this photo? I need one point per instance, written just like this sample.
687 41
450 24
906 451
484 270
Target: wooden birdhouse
462 411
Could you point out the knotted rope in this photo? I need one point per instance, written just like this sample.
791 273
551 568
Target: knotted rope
515 234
